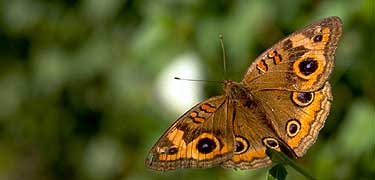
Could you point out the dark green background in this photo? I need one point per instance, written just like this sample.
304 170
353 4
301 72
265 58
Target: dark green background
77 82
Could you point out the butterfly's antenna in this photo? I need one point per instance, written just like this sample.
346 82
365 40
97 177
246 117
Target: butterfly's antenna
221 37
224 61
199 80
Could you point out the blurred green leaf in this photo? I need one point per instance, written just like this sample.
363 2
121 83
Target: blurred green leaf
277 172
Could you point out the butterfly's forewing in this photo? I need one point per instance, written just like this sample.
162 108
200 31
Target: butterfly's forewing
200 138
302 61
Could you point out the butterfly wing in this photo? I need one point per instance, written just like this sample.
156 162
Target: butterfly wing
300 62
296 117
282 120
290 95
250 129
202 137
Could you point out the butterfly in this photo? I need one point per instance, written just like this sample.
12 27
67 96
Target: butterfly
281 103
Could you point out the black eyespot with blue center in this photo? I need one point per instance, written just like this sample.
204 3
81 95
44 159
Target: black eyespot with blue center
242 145
318 38
293 127
206 145
172 151
302 99
308 66
271 142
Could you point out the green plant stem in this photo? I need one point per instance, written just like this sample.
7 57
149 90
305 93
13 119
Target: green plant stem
285 159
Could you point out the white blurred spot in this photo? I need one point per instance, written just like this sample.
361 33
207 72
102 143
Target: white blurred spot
179 95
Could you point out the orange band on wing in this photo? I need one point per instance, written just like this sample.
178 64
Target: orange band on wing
208 108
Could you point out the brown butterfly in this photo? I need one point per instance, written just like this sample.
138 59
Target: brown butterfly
282 103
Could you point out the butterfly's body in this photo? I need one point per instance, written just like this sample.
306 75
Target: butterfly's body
235 90
281 103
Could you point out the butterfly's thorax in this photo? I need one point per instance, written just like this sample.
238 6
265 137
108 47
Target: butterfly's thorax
237 91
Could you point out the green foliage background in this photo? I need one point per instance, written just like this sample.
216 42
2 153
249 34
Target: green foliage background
77 94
